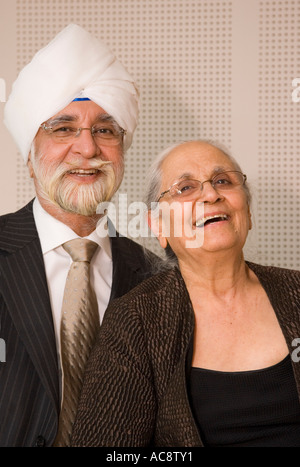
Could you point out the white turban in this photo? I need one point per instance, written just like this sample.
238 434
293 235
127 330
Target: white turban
74 63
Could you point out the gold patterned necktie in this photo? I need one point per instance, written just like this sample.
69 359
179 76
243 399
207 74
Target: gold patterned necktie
79 327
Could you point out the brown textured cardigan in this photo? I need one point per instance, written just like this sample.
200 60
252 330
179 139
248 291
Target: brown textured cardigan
135 391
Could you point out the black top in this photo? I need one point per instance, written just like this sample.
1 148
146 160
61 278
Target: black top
257 408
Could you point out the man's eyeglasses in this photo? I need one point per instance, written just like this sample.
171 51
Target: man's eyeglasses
188 188
103 134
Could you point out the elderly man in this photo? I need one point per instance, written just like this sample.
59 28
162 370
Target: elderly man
72 112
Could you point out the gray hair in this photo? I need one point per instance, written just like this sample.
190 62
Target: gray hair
154 179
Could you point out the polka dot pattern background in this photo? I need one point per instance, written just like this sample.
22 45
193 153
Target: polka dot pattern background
279 134
213 69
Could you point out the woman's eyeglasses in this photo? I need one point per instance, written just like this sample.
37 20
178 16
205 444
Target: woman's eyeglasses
188 188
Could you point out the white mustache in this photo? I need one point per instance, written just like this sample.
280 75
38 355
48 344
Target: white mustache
73 166
93 164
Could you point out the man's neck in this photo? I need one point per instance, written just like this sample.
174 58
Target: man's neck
81 225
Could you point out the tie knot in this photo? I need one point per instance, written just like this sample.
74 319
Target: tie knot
80 249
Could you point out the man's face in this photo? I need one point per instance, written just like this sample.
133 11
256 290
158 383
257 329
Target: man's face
76 175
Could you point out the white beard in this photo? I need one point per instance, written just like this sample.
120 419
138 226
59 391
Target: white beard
58 189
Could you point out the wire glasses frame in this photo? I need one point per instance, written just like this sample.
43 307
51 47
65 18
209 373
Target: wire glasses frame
106 135
188 188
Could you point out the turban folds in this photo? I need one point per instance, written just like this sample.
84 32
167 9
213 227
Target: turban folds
74 63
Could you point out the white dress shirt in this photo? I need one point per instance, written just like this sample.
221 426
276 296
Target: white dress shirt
52 234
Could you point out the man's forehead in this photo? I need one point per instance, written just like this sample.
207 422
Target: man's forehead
79 110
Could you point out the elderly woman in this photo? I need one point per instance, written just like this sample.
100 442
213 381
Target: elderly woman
200 354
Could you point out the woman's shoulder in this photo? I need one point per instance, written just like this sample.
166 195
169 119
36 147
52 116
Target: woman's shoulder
168 282
161 297
278 280
274 271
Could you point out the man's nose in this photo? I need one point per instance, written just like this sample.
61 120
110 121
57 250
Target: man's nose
85 144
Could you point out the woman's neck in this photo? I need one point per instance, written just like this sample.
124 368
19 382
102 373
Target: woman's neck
217 275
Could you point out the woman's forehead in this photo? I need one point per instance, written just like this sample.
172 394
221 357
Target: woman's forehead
195 158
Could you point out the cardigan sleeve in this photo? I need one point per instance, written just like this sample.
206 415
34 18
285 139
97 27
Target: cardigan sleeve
118 404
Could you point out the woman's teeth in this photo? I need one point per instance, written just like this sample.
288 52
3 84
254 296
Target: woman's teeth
211 219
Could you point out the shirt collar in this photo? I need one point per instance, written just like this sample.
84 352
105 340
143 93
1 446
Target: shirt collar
53 233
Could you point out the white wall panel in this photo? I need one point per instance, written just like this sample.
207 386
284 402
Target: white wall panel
219 69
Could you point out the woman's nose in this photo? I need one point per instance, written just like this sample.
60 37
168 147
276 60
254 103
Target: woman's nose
209 193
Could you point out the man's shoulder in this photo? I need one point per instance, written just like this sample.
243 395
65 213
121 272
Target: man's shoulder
25 211
17 227
5 218
134 246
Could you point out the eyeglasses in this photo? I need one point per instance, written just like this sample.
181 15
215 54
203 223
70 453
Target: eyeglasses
103 134
188 188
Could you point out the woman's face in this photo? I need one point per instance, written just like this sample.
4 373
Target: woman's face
228 211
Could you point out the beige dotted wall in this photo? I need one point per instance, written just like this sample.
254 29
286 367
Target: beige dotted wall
215 69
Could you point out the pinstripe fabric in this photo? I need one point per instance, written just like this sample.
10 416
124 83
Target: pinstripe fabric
29 378
29 396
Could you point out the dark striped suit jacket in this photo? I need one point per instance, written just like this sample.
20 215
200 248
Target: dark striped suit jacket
29 393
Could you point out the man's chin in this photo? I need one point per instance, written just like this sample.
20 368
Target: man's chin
87 210
82 200
77 199
79 212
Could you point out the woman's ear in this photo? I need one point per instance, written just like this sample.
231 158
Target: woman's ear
155 224
250 219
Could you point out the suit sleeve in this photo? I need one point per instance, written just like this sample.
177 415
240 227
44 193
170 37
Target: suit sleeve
118 405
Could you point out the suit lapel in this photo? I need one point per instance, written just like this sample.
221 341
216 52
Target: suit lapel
129 265
26 294
123 272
